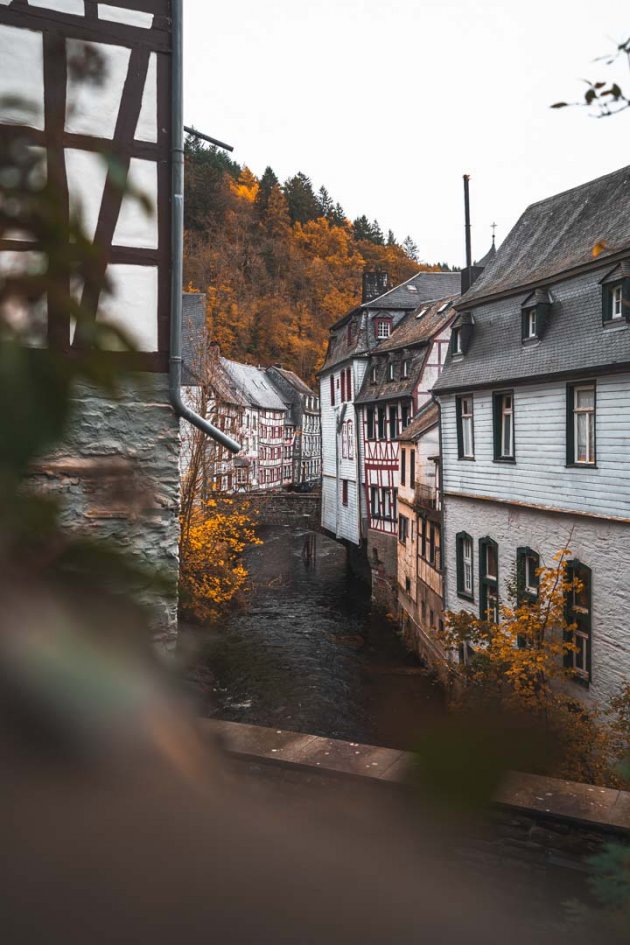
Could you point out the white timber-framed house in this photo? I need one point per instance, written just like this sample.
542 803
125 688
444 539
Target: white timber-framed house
352 339
535 418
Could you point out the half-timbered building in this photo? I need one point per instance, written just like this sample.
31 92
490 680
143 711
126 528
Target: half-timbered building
535 412
420 571
88 85
303 443
401 372
352 339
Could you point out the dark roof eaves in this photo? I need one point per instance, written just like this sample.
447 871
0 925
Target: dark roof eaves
584 371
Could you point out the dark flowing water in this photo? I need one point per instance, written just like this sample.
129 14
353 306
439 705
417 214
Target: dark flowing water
304 651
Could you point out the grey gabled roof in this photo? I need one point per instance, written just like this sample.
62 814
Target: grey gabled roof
422 287
194 336
558 234
426 418
255 385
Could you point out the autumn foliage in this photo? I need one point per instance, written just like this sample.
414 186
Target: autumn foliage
279 264
211 546
517 667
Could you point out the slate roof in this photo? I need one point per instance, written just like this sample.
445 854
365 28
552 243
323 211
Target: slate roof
421 287
574 342
421 325
296 381
558 234
427 285
426 418
254 385
409 342
194 336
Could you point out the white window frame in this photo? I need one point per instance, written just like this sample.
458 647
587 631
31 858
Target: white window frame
507 419
616 303
589 413
383 328
457 341
530 315
405 369
531 566
467 561
350 436
390 372
466 419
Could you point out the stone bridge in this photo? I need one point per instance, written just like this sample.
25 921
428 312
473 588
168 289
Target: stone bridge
285 508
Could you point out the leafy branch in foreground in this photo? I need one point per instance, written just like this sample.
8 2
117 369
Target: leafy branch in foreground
607 97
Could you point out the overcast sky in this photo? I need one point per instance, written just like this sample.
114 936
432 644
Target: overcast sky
389 102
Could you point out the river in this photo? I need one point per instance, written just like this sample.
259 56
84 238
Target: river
303 650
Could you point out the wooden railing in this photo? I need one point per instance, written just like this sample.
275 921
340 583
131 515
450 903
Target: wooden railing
426 496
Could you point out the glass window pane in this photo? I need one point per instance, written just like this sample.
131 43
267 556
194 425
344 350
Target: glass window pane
584 397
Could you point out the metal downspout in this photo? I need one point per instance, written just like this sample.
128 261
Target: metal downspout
177 239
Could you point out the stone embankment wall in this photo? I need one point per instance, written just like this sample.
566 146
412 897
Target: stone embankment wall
284 508
117 477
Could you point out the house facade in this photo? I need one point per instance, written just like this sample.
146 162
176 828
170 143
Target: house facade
420 571
303 441
352 340
74 123
401 372
535 412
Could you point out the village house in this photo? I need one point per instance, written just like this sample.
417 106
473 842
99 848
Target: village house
302 458
535 408
129 116
352 339
401 372
420 572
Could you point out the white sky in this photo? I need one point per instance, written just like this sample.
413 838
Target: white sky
389 102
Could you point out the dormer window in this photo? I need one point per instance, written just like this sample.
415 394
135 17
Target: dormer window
405 368
383 328
457 347
529 326
616 295
373 374
391 372
535 314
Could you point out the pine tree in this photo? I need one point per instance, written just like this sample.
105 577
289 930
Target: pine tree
267 182
303 204
362 228
338 216
410 248
326 204
391 239
377 234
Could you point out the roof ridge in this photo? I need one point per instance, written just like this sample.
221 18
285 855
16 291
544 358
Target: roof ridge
570 190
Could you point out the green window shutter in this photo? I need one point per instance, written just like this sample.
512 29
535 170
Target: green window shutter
459 548
465 335
543 317
496 424
460 433
570 431
521 554
524 334
483 596
625 297
403 466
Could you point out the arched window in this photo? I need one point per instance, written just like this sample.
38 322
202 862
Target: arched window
344 440
350 439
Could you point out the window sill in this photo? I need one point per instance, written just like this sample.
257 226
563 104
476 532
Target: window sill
581 465
615 323
467 459
464 596
509 460
581 681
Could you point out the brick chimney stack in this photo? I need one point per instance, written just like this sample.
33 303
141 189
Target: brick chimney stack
375 282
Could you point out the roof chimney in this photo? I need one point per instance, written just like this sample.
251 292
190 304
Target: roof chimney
375 283
470 273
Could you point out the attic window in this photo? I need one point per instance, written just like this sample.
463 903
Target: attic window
529 323
373 375
391 371
405 368
411 288
457 345
443 307
422 311
616 301
535 315
383 328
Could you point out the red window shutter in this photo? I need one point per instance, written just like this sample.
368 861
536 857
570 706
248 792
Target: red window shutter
343 386
332 390
349 384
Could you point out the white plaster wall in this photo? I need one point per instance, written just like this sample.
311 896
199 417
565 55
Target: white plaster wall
22 76
603 546
146 129
93 109
133 303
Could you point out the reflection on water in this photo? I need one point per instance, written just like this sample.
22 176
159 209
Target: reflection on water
304 651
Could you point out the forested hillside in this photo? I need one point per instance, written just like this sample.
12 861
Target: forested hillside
279 262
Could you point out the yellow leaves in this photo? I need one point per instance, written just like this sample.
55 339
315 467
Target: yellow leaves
246 187
599 247
212 572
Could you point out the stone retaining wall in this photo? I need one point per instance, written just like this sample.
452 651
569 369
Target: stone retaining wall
285 508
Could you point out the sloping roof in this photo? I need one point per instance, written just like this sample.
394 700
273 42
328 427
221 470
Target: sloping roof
421 287
574 340
296 381
424 420
194 336
558 234
254 385
485 261
420 325
384 389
